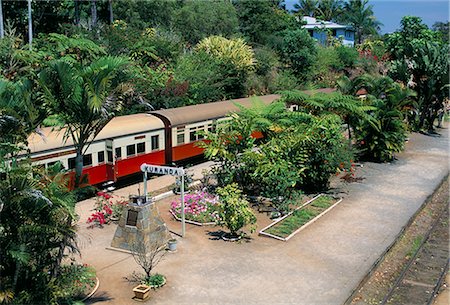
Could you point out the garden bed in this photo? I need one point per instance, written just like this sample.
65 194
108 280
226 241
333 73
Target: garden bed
292 223
200 209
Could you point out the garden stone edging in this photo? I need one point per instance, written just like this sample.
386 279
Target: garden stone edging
93 291
261 232
201 224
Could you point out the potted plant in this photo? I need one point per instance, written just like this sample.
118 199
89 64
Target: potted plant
234 211
172 245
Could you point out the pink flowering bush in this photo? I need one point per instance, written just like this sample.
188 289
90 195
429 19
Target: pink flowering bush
105 208
200 207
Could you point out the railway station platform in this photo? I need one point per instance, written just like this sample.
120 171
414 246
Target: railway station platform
321 265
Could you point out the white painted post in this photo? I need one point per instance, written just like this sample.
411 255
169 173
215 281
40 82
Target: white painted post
183 223
145 187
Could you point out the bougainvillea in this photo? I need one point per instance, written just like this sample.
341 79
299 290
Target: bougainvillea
105 208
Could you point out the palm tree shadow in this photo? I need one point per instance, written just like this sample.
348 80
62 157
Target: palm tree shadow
217 235
97 298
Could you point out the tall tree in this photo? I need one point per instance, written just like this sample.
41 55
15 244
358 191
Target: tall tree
196 21
306 8
85 98
262 21
359 14
330 10
420 61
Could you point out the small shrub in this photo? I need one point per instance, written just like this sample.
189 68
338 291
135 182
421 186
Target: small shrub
74 282
234 210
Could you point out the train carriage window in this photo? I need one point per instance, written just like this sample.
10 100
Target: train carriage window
118 152
87 160
131 150
101 156
155 142
192 134
71 162
180 135
140 147
109 154
210 127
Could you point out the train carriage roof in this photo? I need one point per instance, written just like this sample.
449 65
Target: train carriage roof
203 112
117 127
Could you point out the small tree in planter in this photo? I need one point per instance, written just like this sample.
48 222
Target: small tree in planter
148 255
234 210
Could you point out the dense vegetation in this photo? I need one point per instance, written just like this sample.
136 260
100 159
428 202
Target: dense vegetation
91 60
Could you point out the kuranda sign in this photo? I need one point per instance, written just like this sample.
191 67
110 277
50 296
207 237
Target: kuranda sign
162 170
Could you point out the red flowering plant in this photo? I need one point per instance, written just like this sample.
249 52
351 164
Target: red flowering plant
105 209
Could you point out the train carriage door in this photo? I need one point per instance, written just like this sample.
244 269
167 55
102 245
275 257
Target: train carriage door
110 173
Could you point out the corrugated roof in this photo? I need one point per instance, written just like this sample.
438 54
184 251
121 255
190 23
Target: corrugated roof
312 23
117 127
203 112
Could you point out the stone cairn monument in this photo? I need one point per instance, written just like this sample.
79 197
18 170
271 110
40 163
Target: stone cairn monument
140 223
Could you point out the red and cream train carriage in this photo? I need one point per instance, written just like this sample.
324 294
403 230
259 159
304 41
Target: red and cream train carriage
160 137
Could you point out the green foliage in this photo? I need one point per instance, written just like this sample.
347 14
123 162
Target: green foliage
204 75
73 49
380 141
262 21
235 59
234 210
154 280
325 65
347 56
37 230
195 20
141 14
73 282
299 51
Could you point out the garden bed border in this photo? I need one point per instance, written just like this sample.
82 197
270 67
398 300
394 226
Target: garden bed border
261 232
201 224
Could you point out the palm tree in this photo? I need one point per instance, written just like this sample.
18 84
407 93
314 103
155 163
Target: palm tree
306 8
330 10
360 15
85 98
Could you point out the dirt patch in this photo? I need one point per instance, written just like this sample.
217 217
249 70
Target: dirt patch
385 274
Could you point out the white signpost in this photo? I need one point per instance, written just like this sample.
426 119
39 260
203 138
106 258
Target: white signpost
166 170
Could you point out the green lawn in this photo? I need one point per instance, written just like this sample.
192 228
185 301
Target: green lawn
300 217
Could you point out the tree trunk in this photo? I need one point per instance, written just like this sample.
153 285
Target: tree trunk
111 15
78 168
2 31
77 12
94 13
30 25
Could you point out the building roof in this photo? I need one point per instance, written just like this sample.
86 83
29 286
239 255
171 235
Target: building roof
312 23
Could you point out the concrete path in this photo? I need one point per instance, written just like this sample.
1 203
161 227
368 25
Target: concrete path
321 265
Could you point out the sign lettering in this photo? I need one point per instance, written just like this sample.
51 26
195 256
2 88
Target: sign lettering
162 170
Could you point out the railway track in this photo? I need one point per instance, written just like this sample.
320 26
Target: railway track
420 280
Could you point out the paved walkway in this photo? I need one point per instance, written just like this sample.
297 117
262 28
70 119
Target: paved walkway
320 265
